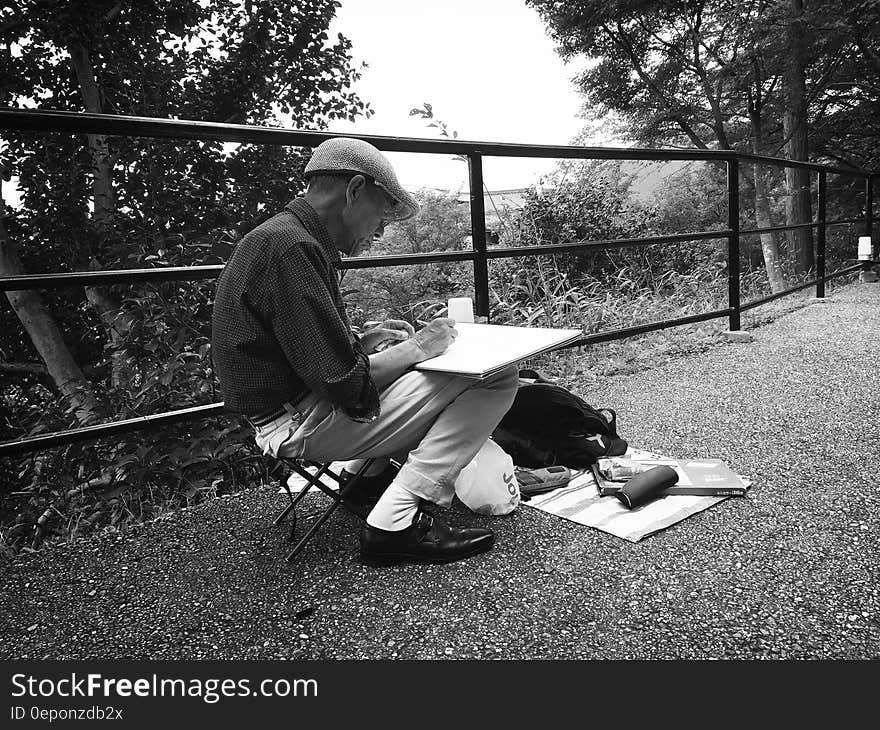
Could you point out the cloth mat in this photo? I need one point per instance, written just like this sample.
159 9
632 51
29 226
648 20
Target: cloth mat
580 501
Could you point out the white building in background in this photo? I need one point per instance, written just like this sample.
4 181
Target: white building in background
496 202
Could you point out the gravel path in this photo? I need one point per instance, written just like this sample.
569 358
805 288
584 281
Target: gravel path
789 572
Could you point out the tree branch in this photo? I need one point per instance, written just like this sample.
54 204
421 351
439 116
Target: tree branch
818 86
622 42
711 98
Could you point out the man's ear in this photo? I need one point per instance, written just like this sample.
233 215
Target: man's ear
355 189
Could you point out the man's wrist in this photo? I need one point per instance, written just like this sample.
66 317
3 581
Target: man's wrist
414 351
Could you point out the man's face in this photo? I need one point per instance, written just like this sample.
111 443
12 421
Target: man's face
365 216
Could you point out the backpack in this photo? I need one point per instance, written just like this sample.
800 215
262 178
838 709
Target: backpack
549 425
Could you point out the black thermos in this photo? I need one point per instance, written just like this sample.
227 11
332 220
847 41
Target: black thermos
645 486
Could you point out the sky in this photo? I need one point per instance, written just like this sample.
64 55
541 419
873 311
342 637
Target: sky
488 68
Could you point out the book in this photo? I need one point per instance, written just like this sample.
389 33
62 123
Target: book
481 350
697 477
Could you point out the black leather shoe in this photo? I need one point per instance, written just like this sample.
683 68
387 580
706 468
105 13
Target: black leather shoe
367 491
427 540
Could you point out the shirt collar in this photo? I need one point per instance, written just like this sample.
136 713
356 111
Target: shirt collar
315 226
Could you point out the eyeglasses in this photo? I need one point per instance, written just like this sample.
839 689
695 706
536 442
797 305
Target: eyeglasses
392 205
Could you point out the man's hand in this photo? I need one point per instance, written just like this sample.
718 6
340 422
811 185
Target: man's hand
388 333
436 337
432 340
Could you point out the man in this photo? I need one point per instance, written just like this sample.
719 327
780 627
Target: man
287 358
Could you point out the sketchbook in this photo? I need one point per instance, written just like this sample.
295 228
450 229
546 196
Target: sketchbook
481 350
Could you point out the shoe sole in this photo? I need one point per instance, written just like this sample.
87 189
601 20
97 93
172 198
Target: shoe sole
382 560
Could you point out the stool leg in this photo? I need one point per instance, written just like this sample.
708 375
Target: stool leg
309 483
311 531
293 502
337 500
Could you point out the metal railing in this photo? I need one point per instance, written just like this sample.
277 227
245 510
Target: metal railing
69 122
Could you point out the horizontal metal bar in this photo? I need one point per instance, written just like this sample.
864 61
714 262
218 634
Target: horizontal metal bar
106 278
782 162
406 259
777 295
560 248
63 121
795 226
58 121
849 270
191 273
805 285
844 221
87 433
620 334
772 229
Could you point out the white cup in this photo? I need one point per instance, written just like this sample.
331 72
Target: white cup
461 309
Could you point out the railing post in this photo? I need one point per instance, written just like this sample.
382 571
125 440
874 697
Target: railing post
867 273
478 235
733 242
869 213
820 238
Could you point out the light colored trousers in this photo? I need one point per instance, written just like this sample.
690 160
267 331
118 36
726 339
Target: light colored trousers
432 423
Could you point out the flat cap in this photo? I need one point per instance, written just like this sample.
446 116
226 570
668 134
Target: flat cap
348 155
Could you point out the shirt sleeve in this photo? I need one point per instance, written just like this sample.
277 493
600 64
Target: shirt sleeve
315 335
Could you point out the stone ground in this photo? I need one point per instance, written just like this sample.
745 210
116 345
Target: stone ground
789 572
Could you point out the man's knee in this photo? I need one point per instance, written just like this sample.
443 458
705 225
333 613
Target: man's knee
506 379
510 375
502 386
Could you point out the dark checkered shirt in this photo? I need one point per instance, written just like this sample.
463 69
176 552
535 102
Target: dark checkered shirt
279 325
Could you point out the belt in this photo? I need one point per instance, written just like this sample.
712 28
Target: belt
267 417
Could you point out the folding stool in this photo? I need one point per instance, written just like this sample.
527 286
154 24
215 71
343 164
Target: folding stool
301 466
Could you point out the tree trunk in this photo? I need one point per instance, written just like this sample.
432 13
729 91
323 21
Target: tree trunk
104 210
46 337
769 247
762 205
768 242
102 168
794 126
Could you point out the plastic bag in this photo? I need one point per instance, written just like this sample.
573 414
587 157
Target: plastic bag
488 484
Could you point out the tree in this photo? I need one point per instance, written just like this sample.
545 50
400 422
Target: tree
44 333
722 75
794 61
680 74
843 81
230 62
108 202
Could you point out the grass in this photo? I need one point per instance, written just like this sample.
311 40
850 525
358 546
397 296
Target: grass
585 365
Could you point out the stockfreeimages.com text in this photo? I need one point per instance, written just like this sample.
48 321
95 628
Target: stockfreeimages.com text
209 690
